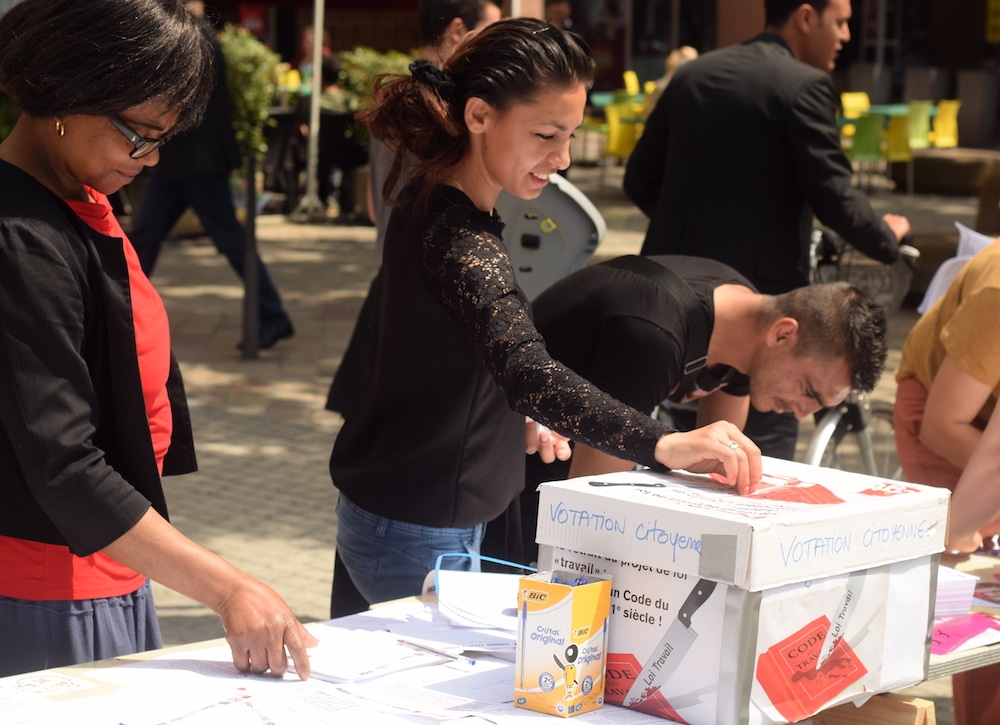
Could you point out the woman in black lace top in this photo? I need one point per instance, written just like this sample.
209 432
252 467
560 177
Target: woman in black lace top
433 449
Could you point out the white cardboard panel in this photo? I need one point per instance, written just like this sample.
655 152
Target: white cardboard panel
739 659
806 523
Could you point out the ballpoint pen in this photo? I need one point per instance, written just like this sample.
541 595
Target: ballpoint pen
458 656
645 484
523 633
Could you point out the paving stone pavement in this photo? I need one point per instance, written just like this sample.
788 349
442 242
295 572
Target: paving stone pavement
263 498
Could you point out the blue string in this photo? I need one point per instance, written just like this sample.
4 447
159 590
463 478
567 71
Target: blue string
480 557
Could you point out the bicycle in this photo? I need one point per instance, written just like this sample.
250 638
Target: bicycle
857 435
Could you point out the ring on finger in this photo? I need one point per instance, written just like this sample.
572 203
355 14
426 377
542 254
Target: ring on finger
733 445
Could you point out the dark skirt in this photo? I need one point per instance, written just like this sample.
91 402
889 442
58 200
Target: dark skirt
39 635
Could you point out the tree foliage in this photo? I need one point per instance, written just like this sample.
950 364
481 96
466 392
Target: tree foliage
250 75
360 66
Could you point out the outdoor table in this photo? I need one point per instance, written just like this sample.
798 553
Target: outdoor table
884 709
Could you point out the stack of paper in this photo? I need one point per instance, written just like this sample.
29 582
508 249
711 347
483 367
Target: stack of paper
346 655
954 592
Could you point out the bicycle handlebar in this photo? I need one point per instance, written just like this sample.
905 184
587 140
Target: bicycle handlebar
825 245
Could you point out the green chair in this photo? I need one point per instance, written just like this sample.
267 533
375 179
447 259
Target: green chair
920 124
865 149
853 104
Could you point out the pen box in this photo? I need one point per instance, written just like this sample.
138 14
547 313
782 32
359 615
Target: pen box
562 641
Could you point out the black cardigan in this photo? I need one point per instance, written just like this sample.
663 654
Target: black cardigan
76 457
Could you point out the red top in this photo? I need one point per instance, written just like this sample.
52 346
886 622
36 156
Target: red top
46 572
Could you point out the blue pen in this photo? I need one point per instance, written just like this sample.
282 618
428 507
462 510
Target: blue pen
524 632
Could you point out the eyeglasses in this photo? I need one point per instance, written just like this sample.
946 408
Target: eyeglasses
143 146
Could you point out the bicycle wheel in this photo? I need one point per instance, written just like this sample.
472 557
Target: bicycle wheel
870 449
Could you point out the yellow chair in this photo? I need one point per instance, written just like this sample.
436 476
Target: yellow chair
897 147
945 124
631 79
624 128
920 124
852 105
648 94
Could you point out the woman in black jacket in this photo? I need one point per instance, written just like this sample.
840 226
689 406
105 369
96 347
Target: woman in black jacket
92 410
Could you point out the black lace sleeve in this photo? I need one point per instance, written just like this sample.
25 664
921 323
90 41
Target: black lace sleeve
470 273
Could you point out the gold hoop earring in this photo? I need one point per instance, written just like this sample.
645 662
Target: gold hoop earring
60 129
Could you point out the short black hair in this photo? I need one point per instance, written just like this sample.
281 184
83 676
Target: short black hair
98 57
777 12
839 320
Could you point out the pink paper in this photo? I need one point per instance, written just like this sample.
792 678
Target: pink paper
951 632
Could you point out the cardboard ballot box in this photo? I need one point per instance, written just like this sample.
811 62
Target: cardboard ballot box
768 608
562 640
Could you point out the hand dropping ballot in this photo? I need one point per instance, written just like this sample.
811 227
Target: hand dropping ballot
562 642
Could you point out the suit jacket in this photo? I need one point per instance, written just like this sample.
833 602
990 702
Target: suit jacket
740 152
76 458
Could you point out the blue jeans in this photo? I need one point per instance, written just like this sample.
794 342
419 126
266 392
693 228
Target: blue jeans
389 559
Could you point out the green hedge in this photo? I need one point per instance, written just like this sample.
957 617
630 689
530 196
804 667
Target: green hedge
250 75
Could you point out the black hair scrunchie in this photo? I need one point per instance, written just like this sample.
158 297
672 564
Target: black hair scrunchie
429 74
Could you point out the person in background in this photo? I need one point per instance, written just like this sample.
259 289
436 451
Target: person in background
975 503
742 150
948 379
675 60
431 452
303 60
443 24
948 384
93 410
194 173
633 331
338 152
559 13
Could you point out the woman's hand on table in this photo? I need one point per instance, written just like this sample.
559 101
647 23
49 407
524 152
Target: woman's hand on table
260 628
259 624
549 445
719 449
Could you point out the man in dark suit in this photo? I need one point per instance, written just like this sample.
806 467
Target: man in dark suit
193 171
740 153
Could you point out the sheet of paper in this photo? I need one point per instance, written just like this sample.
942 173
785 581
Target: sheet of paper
987 594
21 708
478 599
442 692
349 655
422 623
962 632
